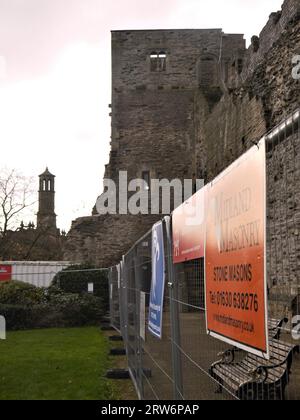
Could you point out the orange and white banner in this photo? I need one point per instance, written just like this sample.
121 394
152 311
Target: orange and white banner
235 255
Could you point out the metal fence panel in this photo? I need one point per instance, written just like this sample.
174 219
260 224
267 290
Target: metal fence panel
39 274
114 301
179 365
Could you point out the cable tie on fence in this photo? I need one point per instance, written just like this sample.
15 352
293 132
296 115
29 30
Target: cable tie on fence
255 143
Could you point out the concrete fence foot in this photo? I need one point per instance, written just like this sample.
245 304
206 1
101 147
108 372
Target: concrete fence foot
118 374
106 327
117 352
115 338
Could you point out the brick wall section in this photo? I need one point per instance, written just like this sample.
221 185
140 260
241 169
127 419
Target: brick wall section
283 245
131 56
283 171
102 240
154 127
229 130
272 81
244 114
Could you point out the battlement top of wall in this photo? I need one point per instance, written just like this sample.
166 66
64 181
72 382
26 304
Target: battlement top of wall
142 33
173 37
137 31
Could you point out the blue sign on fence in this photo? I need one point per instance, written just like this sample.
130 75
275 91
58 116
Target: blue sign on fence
158 281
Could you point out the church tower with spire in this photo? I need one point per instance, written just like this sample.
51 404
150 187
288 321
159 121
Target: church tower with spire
46 217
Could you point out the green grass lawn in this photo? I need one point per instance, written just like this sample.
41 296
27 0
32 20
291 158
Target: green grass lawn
55 364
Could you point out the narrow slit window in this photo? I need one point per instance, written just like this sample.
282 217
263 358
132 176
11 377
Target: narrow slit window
162 59
153 61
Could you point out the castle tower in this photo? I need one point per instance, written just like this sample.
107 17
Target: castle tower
46 217
163 84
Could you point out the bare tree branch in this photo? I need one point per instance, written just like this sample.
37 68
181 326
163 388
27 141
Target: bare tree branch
16 195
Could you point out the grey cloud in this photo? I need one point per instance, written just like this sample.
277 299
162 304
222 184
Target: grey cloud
33 32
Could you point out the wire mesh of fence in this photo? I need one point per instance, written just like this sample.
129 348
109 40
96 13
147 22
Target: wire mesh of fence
59 296
39 274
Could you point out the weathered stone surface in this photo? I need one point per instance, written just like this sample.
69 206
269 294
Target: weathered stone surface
278 23
194 119
153 124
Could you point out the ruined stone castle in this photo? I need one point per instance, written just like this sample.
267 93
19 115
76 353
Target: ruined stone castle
185 104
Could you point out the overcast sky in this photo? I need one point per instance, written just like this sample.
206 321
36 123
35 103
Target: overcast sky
55 80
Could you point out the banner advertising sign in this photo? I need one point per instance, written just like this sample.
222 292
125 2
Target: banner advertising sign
235 259
157 282
188 225
5 272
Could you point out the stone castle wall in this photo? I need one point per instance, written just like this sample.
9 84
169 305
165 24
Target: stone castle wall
213 101
153 124
265 95
278 23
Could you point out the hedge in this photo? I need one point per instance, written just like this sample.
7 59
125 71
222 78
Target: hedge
69 311
19 293
75 279
25 306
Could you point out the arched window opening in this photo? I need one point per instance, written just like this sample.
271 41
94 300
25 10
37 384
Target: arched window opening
158 61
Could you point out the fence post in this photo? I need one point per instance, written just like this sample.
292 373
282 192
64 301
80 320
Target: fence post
124 302
121 310
174 312
110 282
140 372
58 279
